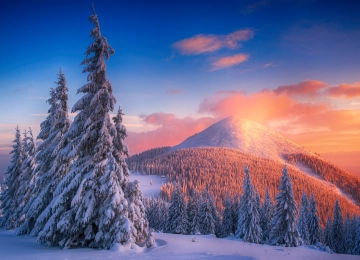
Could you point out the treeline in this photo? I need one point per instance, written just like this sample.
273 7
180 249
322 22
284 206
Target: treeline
348 183
219 170
246 218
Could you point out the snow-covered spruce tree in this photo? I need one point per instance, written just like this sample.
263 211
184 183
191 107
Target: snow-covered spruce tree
349 234
177 222
193 212
266 214
235 210
51 168
337 231
11 183
313 222
227 217
356 250
136 213
303 220
89 207
328 240
27 177
284 228
207 221
249 228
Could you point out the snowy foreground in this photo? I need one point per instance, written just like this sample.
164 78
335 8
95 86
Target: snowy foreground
147 188
169 246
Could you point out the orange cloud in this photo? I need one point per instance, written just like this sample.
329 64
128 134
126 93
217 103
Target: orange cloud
174 91
345 90
229 61
304 88
171 131
209 43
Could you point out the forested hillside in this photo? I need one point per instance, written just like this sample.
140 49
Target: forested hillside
220 171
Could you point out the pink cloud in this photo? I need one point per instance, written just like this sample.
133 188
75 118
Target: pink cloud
174 91
209 43
171 131
345 90
229 61
304 88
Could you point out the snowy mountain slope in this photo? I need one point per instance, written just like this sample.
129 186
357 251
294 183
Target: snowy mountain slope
169 246
245 135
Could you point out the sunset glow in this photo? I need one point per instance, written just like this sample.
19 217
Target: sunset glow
180 66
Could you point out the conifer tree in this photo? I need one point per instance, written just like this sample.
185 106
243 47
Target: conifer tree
11 183
249 227
193 212
313 222
227 218
177 222
356 250
27 177
207 219
284 228
136 214
303 220
235 210
337 231
328 240
51 168
267 212
89 206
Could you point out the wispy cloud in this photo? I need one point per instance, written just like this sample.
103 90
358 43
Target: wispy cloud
254 6
209 43
345 90
304 88
174 91
269 65
229 61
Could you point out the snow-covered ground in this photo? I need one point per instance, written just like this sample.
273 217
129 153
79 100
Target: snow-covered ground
147 188
169 246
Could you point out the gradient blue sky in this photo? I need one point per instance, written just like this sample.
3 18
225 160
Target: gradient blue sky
291 42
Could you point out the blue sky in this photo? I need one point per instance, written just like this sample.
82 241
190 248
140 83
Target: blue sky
290 42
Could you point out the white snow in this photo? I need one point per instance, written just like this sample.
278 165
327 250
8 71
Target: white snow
246 136
169 246
144 179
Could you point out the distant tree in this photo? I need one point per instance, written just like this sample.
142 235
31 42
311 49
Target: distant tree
8 195
284 228
193 213
303 220
177 222
207 218
51 167
227 217
356 250
249 227
266 215
337 230
313 222
328 239
235 210
27 177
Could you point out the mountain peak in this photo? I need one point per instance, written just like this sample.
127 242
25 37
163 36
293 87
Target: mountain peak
244 135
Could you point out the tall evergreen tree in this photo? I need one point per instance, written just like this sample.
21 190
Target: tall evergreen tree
284 228
303 220
313 222
89 206
193 213
177 221
249 227
27 177
227 217
337 230
51 168
266 215
11 183
207 218
349 234
328 239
